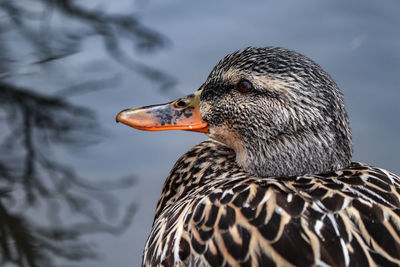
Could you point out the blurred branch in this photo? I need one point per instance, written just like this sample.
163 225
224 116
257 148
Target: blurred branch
144 37
35 121
110 27
32 179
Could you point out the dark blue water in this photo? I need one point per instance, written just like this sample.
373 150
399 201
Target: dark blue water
357 42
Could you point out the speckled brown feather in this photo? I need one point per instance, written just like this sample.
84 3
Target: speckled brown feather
212 213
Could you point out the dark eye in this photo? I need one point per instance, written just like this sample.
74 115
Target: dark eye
245 86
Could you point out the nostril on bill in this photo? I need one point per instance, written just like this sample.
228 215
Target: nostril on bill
182 103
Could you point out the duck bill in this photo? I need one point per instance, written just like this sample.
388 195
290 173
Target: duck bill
181 114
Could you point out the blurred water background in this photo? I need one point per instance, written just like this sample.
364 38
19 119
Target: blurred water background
76 189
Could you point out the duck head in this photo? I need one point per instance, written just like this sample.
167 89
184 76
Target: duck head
278 110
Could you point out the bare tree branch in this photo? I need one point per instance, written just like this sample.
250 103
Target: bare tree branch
32 178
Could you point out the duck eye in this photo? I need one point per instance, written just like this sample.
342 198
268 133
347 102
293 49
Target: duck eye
245 86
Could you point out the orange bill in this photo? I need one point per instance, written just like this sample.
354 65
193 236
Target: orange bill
181 114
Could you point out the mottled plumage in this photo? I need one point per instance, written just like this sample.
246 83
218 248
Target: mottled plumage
275 185
213 213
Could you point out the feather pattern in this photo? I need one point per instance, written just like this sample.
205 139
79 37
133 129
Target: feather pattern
213 213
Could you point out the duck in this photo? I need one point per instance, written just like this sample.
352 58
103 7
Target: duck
274 185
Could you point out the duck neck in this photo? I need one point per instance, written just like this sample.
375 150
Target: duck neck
299 153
